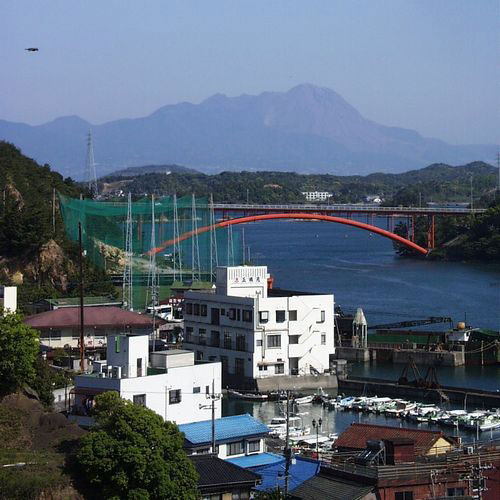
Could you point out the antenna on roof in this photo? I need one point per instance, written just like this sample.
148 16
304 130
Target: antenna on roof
90 167
127 269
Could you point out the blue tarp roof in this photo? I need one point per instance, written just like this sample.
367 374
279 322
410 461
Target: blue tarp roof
273 475
226 428
256 460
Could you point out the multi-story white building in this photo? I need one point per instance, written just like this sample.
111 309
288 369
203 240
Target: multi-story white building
258 331
317 195
168 382
8 299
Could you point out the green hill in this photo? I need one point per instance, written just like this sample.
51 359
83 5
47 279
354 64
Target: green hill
34 251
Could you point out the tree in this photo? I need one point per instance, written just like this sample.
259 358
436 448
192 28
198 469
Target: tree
132 453
19 345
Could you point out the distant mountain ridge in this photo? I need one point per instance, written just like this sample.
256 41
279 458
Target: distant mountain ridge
308 129
153 169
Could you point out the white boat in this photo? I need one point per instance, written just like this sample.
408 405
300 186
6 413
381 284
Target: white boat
401 409
246 395
304 400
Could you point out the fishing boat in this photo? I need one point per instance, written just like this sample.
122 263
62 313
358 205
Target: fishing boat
249 396
304 400
401 409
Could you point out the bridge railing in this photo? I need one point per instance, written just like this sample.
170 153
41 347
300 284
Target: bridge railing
348 208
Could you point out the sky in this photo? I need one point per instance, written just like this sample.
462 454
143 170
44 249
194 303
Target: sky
427 65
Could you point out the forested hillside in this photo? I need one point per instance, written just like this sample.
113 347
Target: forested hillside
34 251
436 183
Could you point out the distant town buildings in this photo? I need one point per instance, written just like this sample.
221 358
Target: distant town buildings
317 195
168 382
257 331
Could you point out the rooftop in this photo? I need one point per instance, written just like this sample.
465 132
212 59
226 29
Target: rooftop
87 301
98 317
282 292
226 429
214 471
356 436
257 460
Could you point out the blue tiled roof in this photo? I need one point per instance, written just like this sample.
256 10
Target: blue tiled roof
226 428
256 460
273 475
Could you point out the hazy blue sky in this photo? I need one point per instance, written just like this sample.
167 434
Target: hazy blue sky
431 65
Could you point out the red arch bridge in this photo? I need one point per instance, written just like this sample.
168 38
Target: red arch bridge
331 213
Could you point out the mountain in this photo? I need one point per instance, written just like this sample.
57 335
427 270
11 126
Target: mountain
307 129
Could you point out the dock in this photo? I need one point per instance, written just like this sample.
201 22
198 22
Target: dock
456 395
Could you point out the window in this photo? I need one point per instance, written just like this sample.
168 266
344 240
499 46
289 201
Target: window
76 334
196 390
235 448
254 446
292 315
215 338
231 314
239 366
280 316
203 310
196 309
262 368
140 399
239 495
199 355
323 339
227 341
222 311
238 312
403 495
202 336
45 335
263 316
247 316
321 317
139 367
456 492
259 343
240 343
189 333
214 316
293 339
99 334
273 341
207 389
174 397
55 334
189 308
279 368
224 364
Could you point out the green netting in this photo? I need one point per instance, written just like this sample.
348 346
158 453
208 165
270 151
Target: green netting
103 235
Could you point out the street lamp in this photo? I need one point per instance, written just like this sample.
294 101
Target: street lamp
317 425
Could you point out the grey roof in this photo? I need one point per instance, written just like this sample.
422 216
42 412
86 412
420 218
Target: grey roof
324 487
359 318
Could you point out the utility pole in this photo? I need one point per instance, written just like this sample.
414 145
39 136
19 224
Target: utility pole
54 210
213 397
471 192
90 167
287 447
80 262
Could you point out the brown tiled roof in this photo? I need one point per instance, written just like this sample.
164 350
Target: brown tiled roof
98 317
356 436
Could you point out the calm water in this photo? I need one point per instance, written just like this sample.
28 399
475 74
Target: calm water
362 270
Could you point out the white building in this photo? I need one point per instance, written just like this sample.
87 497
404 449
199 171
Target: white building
317 195
8 298
168 382
257 331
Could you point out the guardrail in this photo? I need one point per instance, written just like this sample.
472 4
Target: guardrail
348 208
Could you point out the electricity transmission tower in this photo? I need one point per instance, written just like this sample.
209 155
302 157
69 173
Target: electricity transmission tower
127 269
153 277
90 167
